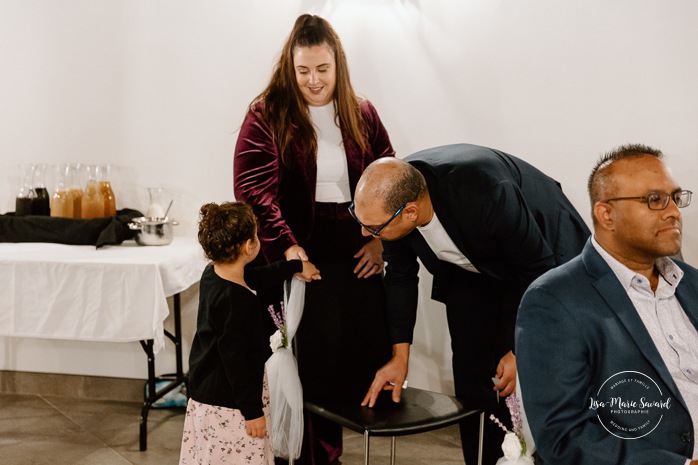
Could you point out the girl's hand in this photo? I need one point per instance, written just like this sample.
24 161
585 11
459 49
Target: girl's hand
309 273
256 428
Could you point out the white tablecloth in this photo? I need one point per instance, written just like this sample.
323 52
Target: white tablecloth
116 293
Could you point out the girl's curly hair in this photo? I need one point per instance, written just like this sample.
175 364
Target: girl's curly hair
224 229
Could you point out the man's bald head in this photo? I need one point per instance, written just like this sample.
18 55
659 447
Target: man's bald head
391 181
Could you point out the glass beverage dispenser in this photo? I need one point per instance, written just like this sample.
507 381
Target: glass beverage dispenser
25 195
61 201
41 202
92 205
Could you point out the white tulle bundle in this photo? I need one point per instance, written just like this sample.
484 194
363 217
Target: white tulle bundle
285 391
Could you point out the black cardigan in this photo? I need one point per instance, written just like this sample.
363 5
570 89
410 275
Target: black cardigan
226 363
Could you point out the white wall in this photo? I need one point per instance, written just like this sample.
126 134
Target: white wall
160 88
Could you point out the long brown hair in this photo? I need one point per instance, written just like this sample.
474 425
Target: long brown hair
283 102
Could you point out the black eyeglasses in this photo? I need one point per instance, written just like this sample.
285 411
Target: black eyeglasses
375 231
660 200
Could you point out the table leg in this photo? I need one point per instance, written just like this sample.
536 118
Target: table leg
152 395
176 380
178 340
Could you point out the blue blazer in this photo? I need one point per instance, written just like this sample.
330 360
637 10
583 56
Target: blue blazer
576 328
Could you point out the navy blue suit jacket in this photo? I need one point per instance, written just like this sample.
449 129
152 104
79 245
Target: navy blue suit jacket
507 217
576 328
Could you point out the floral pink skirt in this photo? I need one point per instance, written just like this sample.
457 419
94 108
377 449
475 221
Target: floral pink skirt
216 435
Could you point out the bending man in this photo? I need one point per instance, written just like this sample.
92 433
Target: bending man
485 224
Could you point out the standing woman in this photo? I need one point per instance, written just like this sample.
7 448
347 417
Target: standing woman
302 147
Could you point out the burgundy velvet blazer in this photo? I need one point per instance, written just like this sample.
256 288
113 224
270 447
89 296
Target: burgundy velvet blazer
283 197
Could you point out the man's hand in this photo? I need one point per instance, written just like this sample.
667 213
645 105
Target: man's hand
391 376
506 372
370 259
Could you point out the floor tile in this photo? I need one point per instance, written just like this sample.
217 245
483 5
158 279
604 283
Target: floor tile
117 424
435 447
33 432
53 430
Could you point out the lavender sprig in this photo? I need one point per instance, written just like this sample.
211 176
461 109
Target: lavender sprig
512 403
279 320
280 323
514 410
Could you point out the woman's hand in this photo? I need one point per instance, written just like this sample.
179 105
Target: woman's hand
256 428
296 252
309 272
370 259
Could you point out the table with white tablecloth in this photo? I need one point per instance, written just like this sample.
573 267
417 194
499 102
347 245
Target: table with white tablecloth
112 294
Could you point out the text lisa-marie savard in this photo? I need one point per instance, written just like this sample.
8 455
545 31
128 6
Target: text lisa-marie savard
620 403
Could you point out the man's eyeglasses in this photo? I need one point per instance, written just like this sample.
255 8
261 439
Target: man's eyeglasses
374 230
660 200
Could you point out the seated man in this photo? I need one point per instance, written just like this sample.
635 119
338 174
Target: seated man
606 344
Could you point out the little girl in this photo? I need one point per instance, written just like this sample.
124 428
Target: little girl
228 410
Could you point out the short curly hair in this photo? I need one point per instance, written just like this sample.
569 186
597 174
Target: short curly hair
224 229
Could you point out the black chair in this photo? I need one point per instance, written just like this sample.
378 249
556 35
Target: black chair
419 411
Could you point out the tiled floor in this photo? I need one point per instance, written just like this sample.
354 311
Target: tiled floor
40 429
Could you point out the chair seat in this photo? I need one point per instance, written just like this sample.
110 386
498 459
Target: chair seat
418 411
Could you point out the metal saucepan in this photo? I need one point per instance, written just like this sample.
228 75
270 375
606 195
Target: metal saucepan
152 231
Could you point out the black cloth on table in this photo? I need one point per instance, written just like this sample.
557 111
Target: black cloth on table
111 230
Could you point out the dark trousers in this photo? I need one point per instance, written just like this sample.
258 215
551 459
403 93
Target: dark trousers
343 336
479 311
